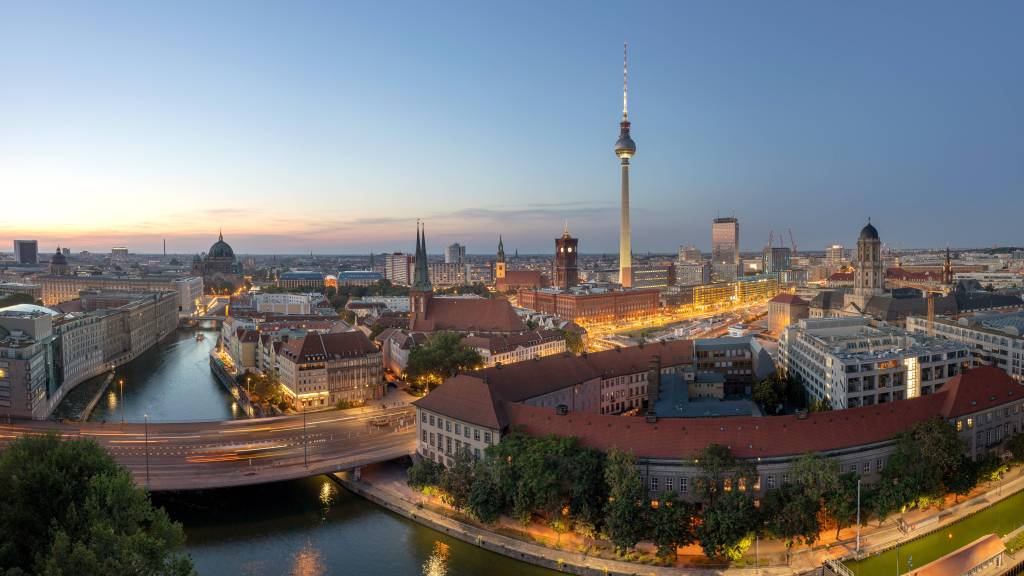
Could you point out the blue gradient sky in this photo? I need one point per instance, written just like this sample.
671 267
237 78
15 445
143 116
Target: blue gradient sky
331 127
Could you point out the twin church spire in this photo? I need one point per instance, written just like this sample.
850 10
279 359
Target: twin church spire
421 276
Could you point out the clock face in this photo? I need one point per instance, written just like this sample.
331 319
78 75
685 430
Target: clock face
570 248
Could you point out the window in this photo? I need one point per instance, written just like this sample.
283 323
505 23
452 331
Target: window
865 467
458 428
465 431
431 419
448 444
487 437
424 435
878 465
970 423
476 434
771 481
448 425
432 439
683 485
785 478
669 484
423 416
959 425
476 453
654 483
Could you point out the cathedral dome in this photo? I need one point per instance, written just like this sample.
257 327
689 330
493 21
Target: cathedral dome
58 259
869 232
221 249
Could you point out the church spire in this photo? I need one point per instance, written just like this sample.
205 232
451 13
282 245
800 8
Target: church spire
220 236
501 249
421 276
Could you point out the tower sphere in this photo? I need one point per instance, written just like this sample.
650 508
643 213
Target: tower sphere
624 146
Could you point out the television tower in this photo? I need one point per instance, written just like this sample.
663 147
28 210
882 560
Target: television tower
625 149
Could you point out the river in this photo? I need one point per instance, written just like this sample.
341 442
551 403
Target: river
307 527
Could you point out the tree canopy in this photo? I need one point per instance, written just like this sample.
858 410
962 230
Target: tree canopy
68 508
441 356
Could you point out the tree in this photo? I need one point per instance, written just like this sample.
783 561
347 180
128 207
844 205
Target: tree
791 514
441 356
719 470
728 526
457 480
962 479
573 342
841 501
424 473
671 525
814 475
926 453
624 513
1015 446
485 499
68 508
766 396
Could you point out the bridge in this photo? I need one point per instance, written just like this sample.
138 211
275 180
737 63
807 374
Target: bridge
204 455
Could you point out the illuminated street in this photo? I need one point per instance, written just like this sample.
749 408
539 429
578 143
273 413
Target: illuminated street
203 455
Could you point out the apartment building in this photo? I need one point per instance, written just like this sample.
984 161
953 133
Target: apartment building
993 338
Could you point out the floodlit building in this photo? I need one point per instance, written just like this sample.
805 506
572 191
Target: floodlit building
846 362
189 289
993 338
321 370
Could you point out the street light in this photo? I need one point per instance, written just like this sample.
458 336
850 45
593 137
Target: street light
146 418
858 516
121 383
305 440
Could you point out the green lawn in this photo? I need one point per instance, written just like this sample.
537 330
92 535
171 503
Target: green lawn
1002 518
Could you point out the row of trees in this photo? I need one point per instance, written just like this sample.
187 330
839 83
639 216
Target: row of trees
572 487
777 392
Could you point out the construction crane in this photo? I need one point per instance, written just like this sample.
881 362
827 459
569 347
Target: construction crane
792 243
771 239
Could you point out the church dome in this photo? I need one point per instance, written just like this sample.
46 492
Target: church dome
221 249
869 232
58 259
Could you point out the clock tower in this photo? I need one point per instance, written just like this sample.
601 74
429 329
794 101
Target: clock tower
567 274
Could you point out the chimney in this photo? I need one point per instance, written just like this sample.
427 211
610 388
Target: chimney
653 387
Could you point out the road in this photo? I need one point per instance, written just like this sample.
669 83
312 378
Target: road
201 455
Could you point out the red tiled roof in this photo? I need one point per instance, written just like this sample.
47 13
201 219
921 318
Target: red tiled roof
467 399
515 279
323 347
469 315
787 298
771 436
522 380
499 344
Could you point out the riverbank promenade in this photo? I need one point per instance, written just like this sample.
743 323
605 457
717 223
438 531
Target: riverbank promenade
385 484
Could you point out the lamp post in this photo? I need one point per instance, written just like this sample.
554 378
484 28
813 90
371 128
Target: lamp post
305 440
146 418
121 384
858 516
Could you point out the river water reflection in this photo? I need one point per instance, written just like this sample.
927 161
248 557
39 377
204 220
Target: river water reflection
170 382
313 527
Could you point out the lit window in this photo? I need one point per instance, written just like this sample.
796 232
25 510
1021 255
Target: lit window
970 423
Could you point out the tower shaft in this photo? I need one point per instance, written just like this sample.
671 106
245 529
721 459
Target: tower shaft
625 244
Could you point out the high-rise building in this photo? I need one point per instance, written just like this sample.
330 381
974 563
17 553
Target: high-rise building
454 254
567 274
119 253
725 248
689 254
835 255
625 149
26 251
398 268
776 259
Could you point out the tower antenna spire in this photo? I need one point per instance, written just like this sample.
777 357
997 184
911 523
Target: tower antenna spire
625 77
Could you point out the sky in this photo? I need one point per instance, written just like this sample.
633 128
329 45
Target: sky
330 127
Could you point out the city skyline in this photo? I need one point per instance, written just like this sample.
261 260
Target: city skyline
258 137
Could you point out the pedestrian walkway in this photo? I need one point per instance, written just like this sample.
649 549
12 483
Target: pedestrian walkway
386 486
